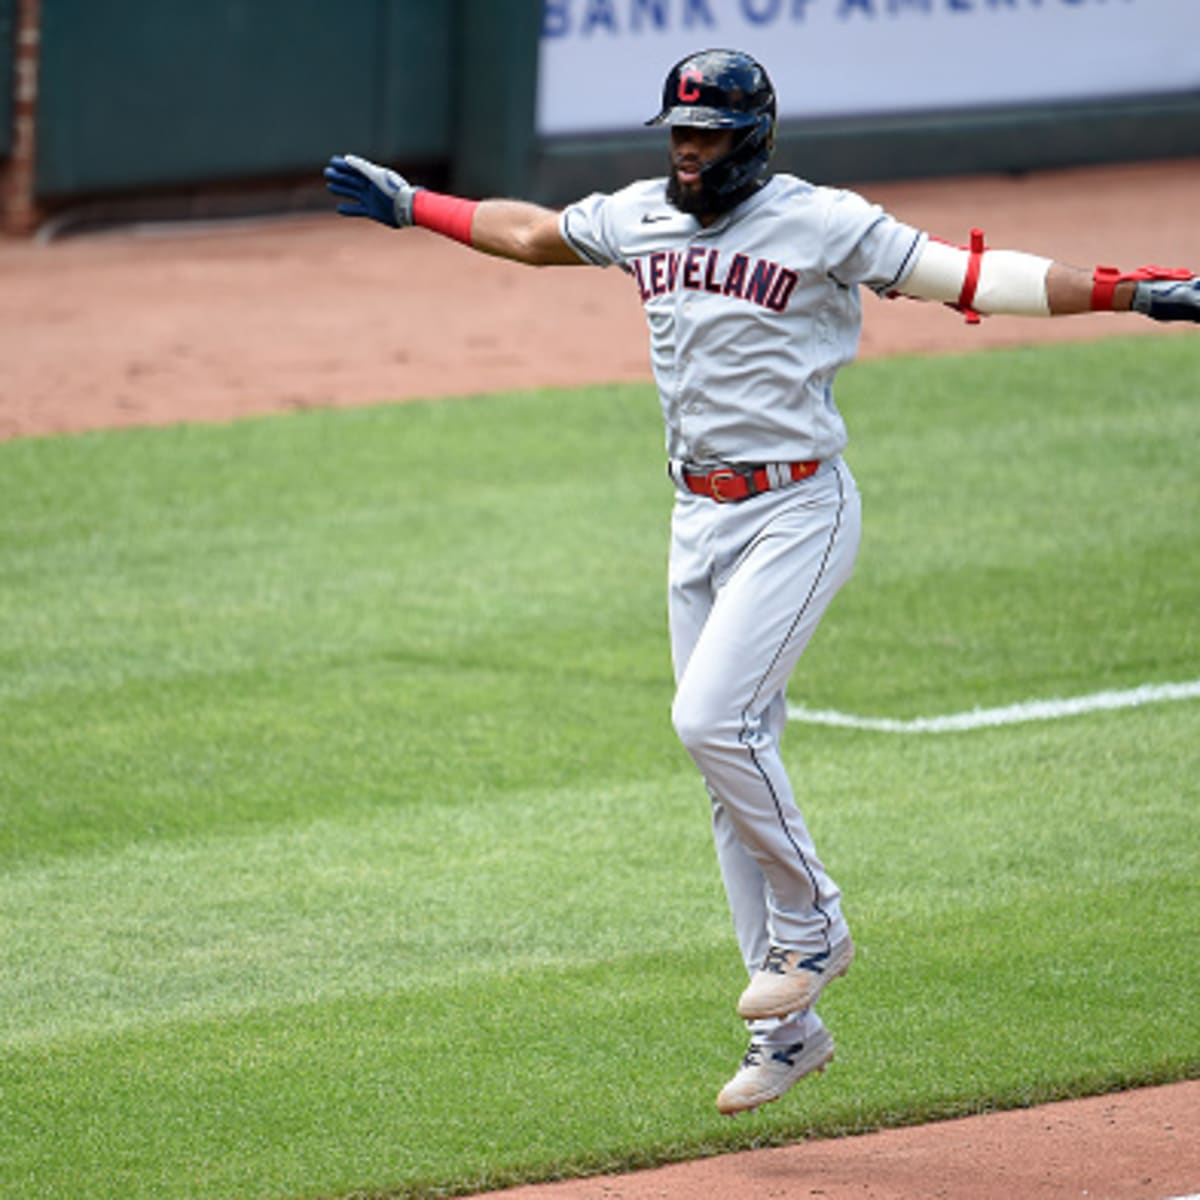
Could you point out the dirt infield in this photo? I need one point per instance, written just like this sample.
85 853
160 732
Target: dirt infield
167 325
154 326
1139 1145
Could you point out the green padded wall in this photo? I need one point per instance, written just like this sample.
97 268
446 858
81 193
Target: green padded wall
150 93
496 65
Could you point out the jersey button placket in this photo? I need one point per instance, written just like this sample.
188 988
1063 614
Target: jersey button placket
687 402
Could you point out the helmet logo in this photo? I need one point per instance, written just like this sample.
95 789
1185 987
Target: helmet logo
688 92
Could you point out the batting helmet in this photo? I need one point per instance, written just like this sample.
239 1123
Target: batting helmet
724 89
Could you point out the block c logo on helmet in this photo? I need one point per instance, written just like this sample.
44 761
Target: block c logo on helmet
688 92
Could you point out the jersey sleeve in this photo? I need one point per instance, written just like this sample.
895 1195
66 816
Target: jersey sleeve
587 227
866 245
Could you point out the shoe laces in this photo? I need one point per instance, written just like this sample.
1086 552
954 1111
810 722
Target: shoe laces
756 1053
777 961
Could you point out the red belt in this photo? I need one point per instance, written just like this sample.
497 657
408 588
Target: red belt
727 485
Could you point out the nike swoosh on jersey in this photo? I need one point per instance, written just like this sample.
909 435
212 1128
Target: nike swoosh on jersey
654 218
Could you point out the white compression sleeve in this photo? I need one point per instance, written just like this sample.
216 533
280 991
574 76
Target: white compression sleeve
1010 281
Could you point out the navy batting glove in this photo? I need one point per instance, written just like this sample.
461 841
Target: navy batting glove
1168 299
373 191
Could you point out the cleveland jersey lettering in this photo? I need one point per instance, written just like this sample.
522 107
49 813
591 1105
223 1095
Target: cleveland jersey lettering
701 269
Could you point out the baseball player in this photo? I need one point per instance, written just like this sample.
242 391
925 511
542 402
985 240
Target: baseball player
750 284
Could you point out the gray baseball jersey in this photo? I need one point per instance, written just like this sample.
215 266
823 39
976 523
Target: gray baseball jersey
749 318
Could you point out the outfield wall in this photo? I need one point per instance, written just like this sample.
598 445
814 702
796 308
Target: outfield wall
545 98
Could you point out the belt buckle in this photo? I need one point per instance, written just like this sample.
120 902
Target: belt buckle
718 477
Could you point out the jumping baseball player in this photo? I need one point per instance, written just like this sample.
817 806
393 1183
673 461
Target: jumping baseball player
750 284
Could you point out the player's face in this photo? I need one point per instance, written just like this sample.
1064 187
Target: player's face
691 149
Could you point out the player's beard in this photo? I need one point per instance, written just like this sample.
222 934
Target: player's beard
698 202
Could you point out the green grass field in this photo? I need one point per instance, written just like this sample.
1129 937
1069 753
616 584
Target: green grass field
347 849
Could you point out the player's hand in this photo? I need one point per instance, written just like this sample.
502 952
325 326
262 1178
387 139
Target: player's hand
373 191
1168 299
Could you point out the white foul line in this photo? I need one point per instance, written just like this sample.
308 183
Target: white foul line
1011 714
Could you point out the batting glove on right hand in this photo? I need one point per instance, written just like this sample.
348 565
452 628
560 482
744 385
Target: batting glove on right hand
373 191
1168 299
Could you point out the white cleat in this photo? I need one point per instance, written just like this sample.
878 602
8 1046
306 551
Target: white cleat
790 981
767 1072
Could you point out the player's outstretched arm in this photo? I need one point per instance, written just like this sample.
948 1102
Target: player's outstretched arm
984 280
513 229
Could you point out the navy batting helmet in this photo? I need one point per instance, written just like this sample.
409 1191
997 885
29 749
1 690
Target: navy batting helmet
724 89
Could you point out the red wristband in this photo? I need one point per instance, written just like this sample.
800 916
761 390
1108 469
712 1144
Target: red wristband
450 216
1105 280
1104 283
